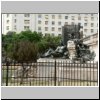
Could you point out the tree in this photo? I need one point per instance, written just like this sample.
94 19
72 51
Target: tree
42 42
25 47
53 41
10 41
29 35
23 51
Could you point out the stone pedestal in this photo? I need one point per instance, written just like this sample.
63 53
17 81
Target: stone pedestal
71 49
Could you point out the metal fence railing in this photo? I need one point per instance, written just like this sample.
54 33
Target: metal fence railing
50 74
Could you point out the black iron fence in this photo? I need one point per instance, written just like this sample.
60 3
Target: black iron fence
55 73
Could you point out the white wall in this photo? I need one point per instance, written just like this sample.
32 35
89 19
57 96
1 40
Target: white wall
4 17
34 22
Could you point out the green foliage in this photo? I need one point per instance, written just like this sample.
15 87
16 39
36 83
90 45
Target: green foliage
27 44
24 51
53 41
42 45
31 36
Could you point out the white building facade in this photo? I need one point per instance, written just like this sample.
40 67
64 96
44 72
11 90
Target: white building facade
92 41
48 24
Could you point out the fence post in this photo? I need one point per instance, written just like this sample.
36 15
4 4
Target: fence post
97 71
7 71
55 75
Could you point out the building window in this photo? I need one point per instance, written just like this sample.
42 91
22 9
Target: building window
46 28
26 27
15 27
92 18
46 16
7 21
39 22
14 20
85 24
92 14
26 21
53 29
66 17
7 27
26 15
79 17
53 23
85 30
39 28
66 23
46 22
59 23
72 17
53 16
85 18
39 16
59 29
92 24
92 30
59 16
59 35
7 15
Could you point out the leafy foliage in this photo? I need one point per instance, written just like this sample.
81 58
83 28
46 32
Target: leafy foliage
25 51
26 45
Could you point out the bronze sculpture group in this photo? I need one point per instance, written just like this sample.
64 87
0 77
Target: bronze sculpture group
72 46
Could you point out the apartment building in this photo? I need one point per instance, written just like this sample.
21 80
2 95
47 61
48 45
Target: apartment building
49 24
17 22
